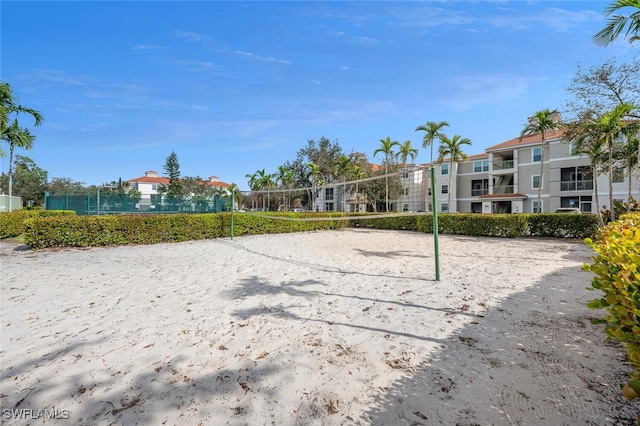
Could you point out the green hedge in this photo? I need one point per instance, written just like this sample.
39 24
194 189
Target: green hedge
494 225
555 225
86 231
12 223
617 274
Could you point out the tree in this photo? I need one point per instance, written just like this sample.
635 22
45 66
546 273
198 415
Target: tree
286 180
357 173
386 148
16 137
254 185
587 143
608 128
172 170
600 88
542 122
452 149
322 153
30 181
9 107
314 172
13 134
617 23
432 132
405 152
63 185
627 156
342 169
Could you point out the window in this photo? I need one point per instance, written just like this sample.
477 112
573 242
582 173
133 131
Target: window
476 207
430 207
535 182
479 187
154 186
405 207
328 194
405 176
535 207
429 192
445 189
537 155
444 208
618 174
576 179
328 207
573 148
583 202
444 169
481 166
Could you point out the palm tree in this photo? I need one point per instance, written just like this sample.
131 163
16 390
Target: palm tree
432 132
262 183
357 173
343 167
617 23
628 157
9 105
452 149
386 148
15 136
405 151
541 122
591 145
236 196
285 177
609 128
254 184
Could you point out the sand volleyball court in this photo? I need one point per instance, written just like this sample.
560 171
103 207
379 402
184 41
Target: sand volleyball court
340 327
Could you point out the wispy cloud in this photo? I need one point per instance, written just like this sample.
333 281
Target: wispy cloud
263 58
140 46
474 90
58 77
555 18
188 64
192 36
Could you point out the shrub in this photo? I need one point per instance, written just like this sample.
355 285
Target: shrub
88 231
617 274
558 225
12 223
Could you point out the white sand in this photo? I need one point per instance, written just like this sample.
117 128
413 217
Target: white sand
335 327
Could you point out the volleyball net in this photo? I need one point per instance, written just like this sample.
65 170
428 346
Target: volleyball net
400 193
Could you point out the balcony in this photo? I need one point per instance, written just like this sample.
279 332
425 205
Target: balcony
503 189
576 185
503 165
479 192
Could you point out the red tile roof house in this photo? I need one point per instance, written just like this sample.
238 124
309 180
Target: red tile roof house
149 185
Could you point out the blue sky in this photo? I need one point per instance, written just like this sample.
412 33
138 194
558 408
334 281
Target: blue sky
234 87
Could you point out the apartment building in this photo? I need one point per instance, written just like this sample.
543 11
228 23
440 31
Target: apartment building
507 177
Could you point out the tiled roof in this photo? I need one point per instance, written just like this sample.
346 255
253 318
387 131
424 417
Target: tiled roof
165 181
151 179
478 156
526 140
514 195
218 183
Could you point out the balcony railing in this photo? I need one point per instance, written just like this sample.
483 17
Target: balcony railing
479 192
502 165
576 185
504 189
